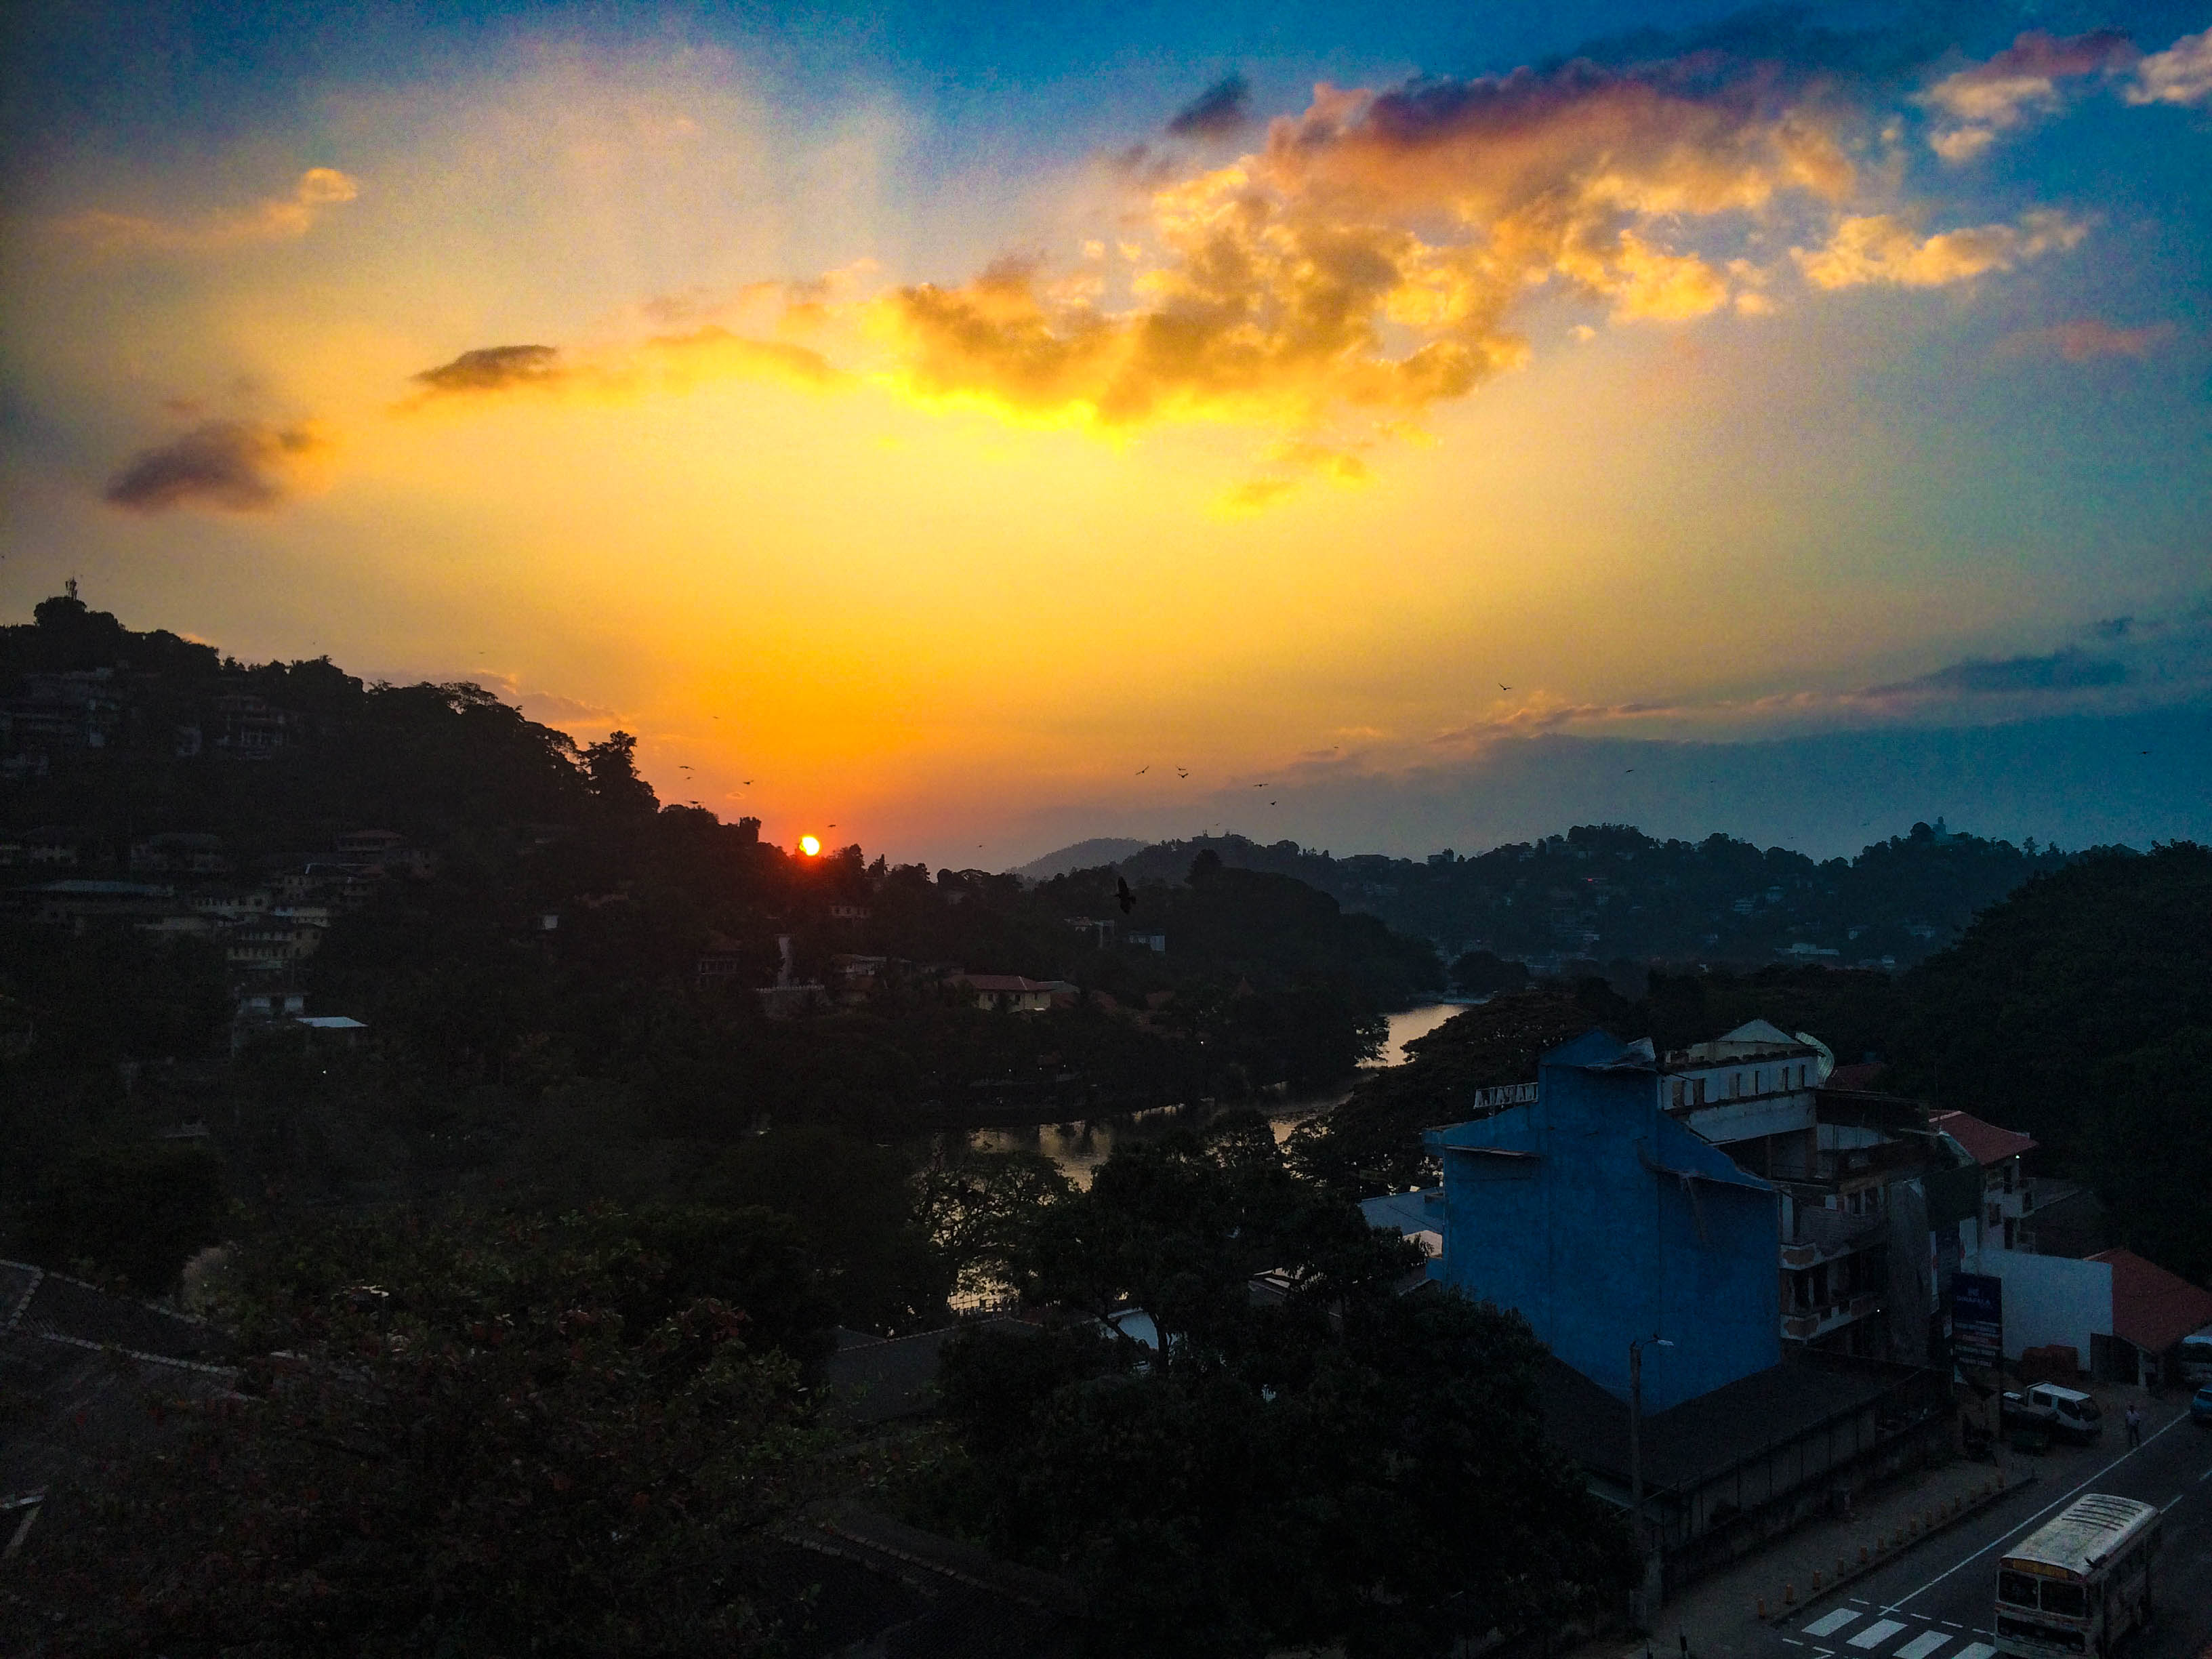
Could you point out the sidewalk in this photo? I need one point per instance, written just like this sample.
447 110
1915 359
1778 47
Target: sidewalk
1720 1614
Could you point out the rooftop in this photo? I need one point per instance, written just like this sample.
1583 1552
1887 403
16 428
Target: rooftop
2088 1532
2151 1307
1985 1143
1712 1432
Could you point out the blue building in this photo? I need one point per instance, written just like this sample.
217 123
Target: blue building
1602 1219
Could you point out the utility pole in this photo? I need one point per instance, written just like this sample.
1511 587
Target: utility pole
1645 1600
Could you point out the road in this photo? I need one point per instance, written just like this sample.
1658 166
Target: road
1937 1602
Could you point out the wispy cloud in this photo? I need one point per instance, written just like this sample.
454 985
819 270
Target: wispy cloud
2019 84
2182 73
273 219
1223 108
234 466
2060 670
665 362
1882 248
2084 338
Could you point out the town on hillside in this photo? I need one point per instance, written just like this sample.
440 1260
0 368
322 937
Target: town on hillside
456 1202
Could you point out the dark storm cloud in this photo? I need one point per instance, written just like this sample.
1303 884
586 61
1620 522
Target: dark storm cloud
239 466
1223 108
494 369
2062 671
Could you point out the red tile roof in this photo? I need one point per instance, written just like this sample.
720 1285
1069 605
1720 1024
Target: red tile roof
1985 1143
2151 1307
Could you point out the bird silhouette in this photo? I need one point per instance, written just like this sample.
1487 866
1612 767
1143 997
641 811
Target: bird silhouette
1502 687
1144 769
1259 785
1122 895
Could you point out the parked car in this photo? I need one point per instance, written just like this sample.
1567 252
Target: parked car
2055 1409
2200 1408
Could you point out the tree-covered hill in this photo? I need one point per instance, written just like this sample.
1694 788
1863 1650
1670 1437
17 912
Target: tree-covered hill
1608 892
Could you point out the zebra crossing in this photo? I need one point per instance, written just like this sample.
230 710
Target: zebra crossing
1860 1629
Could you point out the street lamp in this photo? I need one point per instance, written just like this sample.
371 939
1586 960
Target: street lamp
1636 1456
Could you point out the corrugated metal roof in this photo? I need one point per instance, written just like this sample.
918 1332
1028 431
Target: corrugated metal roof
2089 1531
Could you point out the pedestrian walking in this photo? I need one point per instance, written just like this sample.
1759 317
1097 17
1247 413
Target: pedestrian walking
2135 1426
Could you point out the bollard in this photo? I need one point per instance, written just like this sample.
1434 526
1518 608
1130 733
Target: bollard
2000 1479
1816 1581
1762 1606
1789 1595
1863 1555
1840 1569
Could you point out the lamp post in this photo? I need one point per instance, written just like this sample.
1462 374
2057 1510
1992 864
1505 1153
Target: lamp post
1636 1463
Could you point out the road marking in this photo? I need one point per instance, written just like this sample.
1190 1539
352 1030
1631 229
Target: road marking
1950 1623
1877 1632
2008 1536
1793 1641
1974 1650
2202 1478
1861 1599
2169 1502
1922 1645
1829 1622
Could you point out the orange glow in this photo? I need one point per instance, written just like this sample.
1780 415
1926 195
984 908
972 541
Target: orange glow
809 846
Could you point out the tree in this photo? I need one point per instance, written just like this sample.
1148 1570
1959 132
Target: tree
135 1213
488 1456
1336 1463
612 769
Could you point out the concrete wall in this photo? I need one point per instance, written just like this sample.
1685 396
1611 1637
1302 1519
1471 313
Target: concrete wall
2049 1299
1601 1219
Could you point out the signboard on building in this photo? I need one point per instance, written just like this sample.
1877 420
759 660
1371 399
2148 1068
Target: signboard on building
1978 1320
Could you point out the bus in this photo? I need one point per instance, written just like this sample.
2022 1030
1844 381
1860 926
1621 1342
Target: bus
2080 1583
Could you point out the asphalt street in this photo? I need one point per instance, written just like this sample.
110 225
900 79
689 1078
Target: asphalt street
1937 1602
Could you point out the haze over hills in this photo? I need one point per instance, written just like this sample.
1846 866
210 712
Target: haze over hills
1083 855
1601 893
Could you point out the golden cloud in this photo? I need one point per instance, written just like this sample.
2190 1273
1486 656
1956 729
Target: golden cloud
1368 260
1883 249
274 219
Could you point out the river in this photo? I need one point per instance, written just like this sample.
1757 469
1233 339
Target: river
1079 1147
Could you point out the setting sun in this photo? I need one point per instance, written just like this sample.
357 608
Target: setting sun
809 846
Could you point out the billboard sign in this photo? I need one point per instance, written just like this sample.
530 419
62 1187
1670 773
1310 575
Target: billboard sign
1978 1320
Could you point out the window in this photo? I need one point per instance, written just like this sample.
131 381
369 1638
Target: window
1680 1091
1735 1084
1701 1091
2071 1600
2016 1587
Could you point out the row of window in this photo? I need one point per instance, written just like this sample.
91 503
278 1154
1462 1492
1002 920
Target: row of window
1690 1091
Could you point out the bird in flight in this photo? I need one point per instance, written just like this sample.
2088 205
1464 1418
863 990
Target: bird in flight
1181 773
747 784
1259 785
1145 767
1122 895
1504 688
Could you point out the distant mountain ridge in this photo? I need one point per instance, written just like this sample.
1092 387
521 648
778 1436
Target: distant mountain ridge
1083 855
1602 893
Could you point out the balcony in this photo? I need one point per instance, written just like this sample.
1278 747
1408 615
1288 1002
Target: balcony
1817 1236
1819 1321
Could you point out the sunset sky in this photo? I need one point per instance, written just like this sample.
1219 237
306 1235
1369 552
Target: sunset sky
1385 427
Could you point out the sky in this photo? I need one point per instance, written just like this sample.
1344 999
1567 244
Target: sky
967 430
